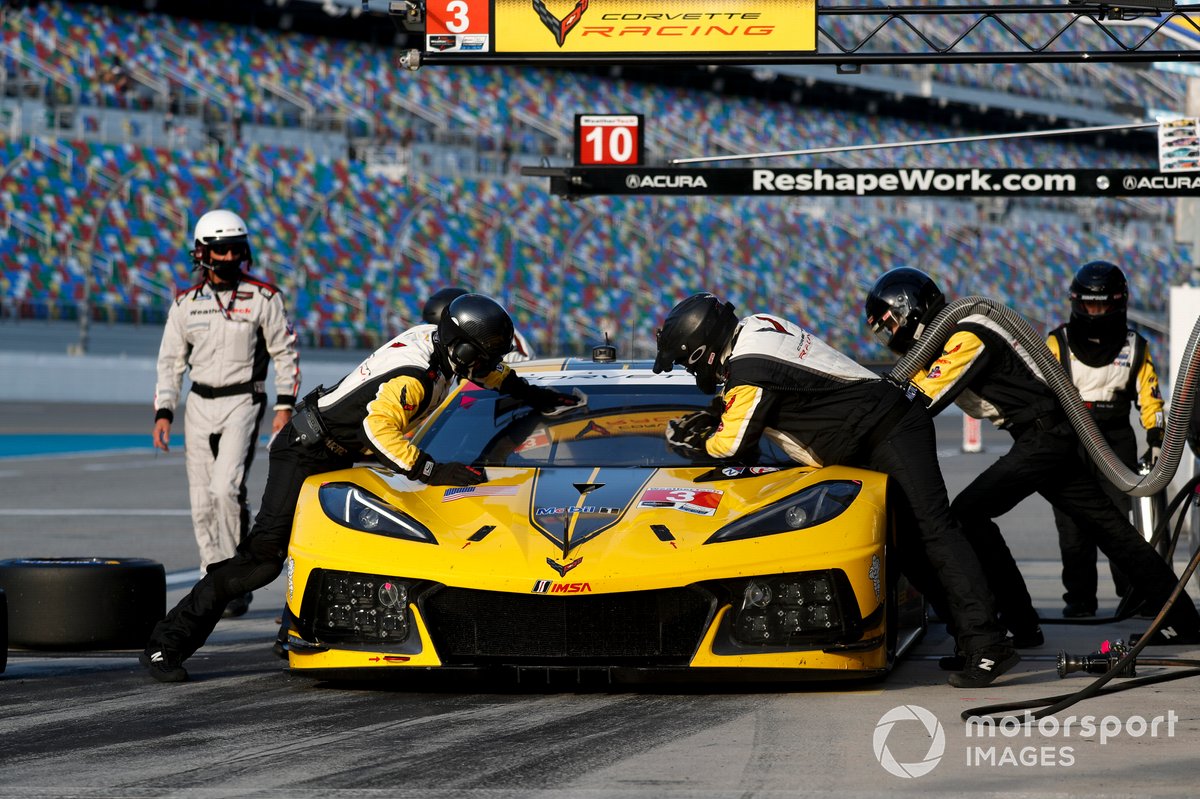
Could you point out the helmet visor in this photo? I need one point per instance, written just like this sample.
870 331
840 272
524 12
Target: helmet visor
231 253
232 250
884 327
664 360
470 360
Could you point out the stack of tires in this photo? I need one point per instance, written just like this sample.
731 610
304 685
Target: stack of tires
80 603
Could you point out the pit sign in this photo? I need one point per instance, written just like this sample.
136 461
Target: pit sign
608 140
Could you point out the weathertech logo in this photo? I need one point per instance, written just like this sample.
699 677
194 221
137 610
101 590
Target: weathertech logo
560 27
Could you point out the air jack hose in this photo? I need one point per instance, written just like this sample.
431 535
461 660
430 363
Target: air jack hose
1178 420
1053 704
929 345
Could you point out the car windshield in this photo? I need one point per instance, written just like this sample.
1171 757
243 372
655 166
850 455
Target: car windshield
621 425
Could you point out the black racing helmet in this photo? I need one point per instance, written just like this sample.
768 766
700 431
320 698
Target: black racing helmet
695 335
475 333
900 303
1099 282
437 302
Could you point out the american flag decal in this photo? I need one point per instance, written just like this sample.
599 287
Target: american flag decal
462 492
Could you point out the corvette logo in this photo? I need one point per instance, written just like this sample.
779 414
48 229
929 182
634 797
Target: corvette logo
560 27
563 568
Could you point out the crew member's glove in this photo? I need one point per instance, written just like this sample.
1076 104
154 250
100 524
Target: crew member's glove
548 402
689 432
1154 440
450 473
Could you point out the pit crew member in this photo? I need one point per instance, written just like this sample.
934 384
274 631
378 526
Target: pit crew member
823 408
1109 362
991 376
366 415
224 331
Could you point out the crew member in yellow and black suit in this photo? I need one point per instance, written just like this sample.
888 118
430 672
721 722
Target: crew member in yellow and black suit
366 415
1111 366
822 408
988 374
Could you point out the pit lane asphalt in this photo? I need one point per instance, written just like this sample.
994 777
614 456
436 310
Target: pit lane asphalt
91 724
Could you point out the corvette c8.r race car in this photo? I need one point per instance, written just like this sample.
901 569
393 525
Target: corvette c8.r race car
595 547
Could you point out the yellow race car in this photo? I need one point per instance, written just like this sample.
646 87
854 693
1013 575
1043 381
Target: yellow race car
594 547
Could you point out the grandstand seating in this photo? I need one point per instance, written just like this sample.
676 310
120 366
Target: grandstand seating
358 253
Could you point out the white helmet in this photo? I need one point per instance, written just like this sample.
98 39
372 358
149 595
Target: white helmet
225 231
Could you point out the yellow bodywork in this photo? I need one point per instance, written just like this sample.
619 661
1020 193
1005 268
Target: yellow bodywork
627 556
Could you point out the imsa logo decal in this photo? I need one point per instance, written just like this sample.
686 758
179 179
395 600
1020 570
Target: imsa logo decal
551 587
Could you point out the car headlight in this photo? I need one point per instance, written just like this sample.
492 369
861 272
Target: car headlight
364 608
789 609
814 505
353 507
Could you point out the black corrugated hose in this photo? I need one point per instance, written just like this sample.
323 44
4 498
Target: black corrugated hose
1176 432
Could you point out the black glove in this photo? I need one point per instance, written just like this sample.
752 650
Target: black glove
688 433
451 473
1154 440
544 400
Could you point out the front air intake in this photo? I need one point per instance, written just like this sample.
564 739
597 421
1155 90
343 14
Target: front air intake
661 627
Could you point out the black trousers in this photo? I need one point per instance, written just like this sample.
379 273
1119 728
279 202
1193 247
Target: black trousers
933 545
1077 547
1047 462
260 555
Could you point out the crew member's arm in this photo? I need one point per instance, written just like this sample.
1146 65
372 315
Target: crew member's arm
172 362
963 357
542 400
1055 350
742 421
396 407
280 339
1150 405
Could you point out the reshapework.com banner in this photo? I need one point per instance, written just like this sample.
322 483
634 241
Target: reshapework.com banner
906 182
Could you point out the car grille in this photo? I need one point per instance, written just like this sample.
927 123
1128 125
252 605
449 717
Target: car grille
647 627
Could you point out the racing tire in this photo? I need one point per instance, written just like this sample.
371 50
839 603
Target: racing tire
83 603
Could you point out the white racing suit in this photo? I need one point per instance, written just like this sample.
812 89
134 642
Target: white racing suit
225 340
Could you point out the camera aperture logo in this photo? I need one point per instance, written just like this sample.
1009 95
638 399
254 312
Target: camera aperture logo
933 728
1042 747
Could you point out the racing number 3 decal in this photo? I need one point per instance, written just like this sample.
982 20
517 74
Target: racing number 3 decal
702 501
457 18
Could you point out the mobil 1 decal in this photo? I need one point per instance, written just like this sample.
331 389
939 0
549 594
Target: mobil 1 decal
571 506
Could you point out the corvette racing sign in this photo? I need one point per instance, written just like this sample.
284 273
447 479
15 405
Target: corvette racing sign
654 26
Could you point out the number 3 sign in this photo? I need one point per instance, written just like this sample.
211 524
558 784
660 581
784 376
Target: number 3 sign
608 139
457 25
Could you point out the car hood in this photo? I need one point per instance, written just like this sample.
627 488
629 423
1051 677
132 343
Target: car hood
613 526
